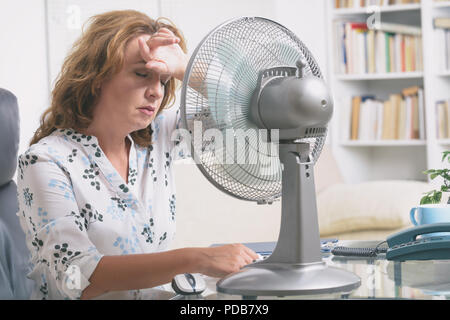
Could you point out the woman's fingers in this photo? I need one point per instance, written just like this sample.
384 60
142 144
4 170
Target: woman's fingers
157 66
162 53
144 50
146 47
161 40
227 259
252 255
166 31
163 37
247 254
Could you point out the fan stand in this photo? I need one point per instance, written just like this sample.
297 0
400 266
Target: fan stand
295 266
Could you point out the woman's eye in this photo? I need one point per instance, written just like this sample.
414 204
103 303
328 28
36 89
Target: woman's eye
142 75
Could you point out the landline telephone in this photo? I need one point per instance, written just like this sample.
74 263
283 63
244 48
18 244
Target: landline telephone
406 245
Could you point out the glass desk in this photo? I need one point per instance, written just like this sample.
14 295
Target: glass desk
380 278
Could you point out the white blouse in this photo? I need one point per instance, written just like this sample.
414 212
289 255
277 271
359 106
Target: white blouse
75 208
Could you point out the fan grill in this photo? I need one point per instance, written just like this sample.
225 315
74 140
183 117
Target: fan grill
222 77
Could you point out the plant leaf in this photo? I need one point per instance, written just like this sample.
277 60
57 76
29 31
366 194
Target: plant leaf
434 175
437 197
426 200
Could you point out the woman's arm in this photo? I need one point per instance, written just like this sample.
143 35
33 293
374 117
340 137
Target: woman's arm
137 271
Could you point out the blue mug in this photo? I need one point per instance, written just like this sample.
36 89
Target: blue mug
430 213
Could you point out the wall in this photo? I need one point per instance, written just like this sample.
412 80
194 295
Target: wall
24 68
23 60
203 217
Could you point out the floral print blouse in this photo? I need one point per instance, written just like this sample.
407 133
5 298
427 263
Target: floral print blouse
74 207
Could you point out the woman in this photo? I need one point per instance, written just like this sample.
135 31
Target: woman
96 193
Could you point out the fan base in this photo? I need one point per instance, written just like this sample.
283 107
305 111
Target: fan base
283 279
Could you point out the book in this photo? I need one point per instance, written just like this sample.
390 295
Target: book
447 106
354 4
402 121
371 51
366 51
414 104
408 118
368 113
420 96
379 119
442 116
388 51
415 117
356 106
447 49
395 100
341 56
401 117
410 91
443 23
387 116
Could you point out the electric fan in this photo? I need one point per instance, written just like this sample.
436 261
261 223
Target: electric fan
257 109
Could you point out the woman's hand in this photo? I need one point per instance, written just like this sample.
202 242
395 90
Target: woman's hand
163 54
220 261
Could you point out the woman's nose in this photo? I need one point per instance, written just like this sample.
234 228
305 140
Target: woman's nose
154 90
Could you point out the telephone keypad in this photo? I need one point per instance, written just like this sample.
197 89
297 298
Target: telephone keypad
423 244
422 240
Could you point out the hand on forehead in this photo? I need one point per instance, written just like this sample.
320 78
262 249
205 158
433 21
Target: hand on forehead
159 50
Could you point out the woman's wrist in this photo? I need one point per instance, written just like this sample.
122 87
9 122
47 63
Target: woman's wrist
194 259
180 73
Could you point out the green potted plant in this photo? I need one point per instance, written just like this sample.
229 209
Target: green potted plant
435 196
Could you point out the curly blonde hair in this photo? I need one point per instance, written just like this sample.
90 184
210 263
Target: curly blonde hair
95 57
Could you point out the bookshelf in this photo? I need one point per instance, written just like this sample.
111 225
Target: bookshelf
444 73
380 76
443 4
384 143
367 160
386 8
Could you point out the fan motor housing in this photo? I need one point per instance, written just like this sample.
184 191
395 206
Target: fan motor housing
293 105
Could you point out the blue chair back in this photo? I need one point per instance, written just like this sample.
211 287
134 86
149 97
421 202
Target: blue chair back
14 254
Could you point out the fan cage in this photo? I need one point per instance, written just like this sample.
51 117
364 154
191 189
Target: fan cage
220 80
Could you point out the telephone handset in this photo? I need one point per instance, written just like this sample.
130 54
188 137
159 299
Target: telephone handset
404 245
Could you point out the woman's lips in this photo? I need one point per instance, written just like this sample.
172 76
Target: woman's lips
147 110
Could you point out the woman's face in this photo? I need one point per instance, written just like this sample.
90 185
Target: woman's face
130 100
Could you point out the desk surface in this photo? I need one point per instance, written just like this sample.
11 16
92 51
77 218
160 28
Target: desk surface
380 278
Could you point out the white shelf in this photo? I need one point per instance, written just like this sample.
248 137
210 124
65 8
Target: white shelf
444 142
442 4
388 8
444 73
380 76
383 143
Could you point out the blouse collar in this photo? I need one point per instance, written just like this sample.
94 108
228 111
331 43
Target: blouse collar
90 144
